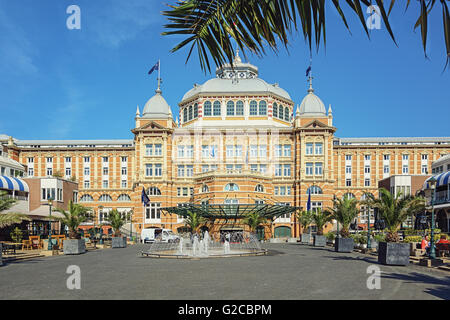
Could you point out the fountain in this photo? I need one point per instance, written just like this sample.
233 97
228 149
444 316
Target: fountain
232 244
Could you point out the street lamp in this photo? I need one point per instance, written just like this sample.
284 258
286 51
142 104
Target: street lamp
432 183
337 222
100 212
50 202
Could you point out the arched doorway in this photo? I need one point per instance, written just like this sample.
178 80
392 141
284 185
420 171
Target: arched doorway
442 221
282 232
260 233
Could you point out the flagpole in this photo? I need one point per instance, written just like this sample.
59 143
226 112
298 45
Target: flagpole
159 74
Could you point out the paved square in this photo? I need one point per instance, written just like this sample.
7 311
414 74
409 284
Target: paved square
291 271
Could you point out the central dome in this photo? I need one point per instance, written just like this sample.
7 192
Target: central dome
312 105
157 107
241 78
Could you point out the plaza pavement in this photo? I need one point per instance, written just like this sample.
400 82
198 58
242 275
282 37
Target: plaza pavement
290 271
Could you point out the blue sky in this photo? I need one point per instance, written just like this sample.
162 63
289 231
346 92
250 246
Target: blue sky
57 83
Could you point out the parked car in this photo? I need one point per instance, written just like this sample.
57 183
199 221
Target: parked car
149 235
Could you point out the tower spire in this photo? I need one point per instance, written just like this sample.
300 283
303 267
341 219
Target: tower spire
158 91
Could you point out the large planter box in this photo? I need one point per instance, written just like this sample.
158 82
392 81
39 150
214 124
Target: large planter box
320 241
305 238
391 253
344 245
74 246
119 242
293 240
277 240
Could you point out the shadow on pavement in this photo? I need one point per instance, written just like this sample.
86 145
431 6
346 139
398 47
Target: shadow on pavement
440 292
347 258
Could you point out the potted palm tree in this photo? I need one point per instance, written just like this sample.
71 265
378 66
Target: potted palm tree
8 219
320 218
72 218
305 219
254 220
193 220
116 220
395 210
344 211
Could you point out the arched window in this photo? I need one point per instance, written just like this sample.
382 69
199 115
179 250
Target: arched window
216 108
153 191
230 108
207 108
314 190
124 198
253 108
105 198
196 110
259 188
190 113
232 187
280 112
86 198
205 188
239 108
185 115
364 197
286 114
275 110
348 195
262 108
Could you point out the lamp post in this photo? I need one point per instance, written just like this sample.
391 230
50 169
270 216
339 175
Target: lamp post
337 222
432 183
100 208
50 202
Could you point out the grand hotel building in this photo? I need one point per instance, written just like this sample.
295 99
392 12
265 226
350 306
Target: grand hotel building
237 140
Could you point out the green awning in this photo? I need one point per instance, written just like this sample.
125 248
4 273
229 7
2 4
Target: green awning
231 211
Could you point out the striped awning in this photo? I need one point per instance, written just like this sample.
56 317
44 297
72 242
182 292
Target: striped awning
11 183
442 179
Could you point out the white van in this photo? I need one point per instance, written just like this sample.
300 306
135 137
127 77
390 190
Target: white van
163 235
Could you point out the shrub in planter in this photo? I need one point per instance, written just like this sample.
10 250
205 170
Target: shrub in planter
305 238
395 210
72 218
330 237
116 220
344 211
320 218
305 219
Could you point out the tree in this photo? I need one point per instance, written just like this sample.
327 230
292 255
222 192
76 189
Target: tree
194 221
344 211
256 25
8 219
321 218
73 217
305 219
253 220
395 210
116 220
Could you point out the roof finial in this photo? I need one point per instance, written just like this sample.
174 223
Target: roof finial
237 58
158 91
137 111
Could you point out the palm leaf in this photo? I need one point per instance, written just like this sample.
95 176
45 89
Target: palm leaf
257 25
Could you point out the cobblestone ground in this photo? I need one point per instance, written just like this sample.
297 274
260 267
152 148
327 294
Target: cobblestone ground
290 271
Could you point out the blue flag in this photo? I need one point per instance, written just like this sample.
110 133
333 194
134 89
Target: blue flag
155 67
308 204
308 71
144 198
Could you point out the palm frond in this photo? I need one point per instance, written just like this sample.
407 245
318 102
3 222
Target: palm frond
211 25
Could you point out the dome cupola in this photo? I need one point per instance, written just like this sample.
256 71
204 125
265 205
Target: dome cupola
311 104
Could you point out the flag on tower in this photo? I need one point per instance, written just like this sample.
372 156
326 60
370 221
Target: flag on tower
308 71
155 67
